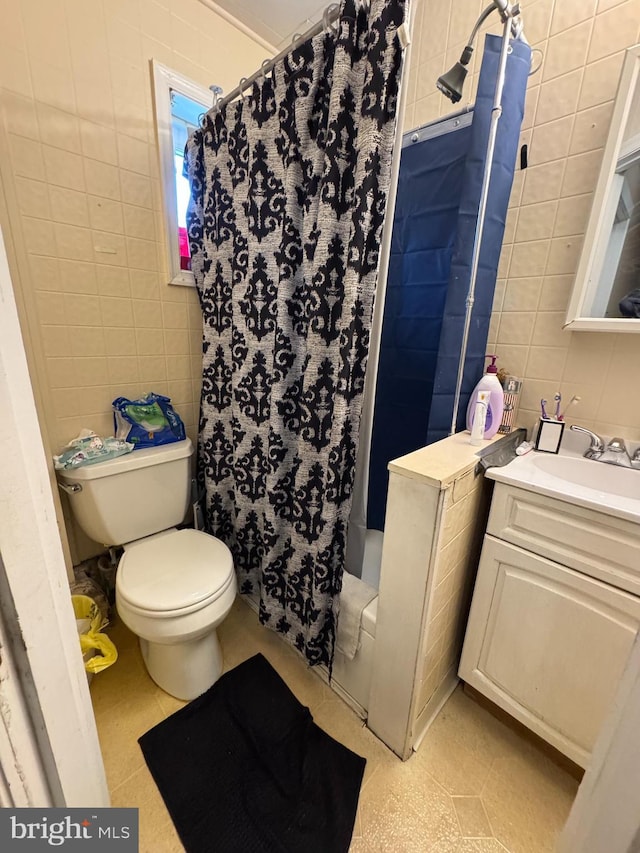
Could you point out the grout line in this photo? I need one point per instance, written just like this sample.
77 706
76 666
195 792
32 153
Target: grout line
128 779
457 816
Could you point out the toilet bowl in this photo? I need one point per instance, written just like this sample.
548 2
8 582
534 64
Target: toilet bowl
173 586
173 589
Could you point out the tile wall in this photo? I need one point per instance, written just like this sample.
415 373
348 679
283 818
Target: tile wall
568 109
83 214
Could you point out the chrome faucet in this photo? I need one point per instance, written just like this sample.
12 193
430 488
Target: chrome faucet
614 453
596 448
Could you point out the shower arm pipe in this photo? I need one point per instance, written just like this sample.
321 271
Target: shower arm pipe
482 209
331 14
513 14
483 17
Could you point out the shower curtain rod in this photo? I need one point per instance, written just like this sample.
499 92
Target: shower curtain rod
331 14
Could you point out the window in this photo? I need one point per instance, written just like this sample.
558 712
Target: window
179 103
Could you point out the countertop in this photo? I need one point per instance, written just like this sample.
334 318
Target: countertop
439 464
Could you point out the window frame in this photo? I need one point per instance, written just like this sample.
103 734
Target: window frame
164 81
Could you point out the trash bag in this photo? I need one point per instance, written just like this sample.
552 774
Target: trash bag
98 652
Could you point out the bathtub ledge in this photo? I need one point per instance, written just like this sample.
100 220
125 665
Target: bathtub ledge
439 464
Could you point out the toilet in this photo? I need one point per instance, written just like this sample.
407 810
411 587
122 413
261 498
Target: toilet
173 587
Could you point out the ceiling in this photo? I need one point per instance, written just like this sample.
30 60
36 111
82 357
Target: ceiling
275 20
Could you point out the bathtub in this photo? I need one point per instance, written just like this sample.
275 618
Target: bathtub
351 679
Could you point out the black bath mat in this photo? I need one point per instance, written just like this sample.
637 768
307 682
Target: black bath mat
244 769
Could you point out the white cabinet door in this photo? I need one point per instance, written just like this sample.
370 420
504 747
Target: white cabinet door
547 644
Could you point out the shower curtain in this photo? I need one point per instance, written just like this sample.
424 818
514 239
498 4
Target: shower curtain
435 219
289 187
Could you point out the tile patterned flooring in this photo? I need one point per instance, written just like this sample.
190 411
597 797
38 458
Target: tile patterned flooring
474 786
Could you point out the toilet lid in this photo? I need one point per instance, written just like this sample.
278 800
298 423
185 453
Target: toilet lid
174 571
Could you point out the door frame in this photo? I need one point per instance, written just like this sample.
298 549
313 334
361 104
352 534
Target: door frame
49 737
606 811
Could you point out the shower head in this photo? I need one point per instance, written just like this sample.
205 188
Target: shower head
451 82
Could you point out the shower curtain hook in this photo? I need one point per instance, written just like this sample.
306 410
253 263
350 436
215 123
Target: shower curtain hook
517 25
243 80
539 65
326 15
263 69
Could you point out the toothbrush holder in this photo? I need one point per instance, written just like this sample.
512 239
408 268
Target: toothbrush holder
549 435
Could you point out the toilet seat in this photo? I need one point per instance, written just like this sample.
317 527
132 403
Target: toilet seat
174 573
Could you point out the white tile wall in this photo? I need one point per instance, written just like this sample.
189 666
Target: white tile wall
568 109
83 193
83 197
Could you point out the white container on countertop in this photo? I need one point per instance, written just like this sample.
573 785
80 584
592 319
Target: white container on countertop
479 418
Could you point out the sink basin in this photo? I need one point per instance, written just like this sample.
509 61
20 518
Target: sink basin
600 476
570 477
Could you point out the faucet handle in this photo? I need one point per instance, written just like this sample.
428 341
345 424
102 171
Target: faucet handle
617 445
596 448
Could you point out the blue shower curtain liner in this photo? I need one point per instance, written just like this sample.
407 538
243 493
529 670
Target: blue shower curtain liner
435 218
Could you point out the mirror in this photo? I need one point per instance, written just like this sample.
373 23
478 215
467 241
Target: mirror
606 293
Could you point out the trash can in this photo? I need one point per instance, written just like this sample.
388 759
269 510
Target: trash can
98 651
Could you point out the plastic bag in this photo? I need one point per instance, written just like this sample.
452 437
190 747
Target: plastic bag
98 652
88 448
147 422
86 585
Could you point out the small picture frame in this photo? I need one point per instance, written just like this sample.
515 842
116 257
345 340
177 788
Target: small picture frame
549 435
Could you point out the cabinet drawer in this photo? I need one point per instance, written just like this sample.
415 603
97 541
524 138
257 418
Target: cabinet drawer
590 542
547 644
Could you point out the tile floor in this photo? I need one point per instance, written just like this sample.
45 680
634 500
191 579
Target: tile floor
474 786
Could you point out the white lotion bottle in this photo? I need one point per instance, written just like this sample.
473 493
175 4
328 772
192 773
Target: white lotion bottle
480 417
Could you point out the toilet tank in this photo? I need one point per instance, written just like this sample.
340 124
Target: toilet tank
132 496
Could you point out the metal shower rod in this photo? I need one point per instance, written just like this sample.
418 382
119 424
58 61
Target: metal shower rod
331 14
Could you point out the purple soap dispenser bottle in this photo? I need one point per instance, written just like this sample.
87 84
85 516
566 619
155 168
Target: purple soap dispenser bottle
491 383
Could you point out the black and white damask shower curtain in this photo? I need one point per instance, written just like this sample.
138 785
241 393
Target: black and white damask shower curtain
289 187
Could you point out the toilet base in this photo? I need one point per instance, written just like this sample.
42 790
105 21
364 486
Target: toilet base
184 670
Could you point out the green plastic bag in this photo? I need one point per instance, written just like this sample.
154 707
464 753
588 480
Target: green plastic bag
98 652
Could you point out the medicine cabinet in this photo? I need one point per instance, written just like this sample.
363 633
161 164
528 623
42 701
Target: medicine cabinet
606 293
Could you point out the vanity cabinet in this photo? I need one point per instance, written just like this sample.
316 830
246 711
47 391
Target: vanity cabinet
554 614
